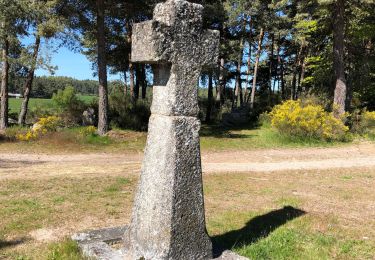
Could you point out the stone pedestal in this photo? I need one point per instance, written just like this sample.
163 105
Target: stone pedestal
168 219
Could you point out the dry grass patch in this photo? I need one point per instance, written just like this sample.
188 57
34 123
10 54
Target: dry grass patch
283 215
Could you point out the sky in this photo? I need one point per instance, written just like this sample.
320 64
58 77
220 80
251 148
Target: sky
68 63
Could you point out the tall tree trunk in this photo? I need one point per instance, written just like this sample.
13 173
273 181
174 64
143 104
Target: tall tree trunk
238 88
102 69
210 98
293 86
220 93
138 80
301 77
339 63
4 86
128 27
277 60
271 68
29 83
248 63
143 81
296 69
131 83
125 84
260 42
282 82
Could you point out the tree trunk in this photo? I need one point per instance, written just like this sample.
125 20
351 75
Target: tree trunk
210 98
261 36
125 84
220 94
248 64
277 60
296 69
4 86
29 83
131 83
301 77
137 82
339 64
282 83
143 81
238 88
270 68
102 69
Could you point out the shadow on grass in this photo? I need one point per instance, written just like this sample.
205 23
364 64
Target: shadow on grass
257 228
4 244
219 131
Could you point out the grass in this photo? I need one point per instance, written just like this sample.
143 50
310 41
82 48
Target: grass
297 218
15 104
212 139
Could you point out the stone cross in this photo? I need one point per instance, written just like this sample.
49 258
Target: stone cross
168 220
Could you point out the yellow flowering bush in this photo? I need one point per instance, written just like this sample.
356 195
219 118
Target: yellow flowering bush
369 118
306 120
363 122
87 131
42 127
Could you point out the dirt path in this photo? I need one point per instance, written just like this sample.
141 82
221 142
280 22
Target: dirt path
17 165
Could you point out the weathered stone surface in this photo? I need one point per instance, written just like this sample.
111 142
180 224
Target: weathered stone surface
97 245
229 255
179 47
168 219
88 117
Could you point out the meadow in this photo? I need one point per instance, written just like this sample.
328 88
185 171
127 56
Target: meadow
291 215
15 104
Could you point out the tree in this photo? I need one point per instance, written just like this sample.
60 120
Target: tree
46 23
12 23
338 53
102 69
4 80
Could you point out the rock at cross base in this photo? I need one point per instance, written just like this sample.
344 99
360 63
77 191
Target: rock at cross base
168 220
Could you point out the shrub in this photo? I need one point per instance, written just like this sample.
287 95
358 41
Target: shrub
125 114
42 127
368 118
88 131
70 107
362 121
12 132
295 119
265 119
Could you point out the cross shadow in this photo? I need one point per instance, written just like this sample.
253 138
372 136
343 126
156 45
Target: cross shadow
11 243
256 229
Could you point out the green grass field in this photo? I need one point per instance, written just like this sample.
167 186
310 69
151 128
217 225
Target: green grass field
15 104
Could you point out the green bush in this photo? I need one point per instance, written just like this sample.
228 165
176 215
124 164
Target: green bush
126 114
69 106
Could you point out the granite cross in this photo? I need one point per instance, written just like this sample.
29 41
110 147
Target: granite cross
168 220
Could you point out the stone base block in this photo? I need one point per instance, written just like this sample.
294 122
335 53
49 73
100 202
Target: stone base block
107 244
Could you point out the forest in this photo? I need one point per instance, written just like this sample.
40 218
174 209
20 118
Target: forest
271 51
